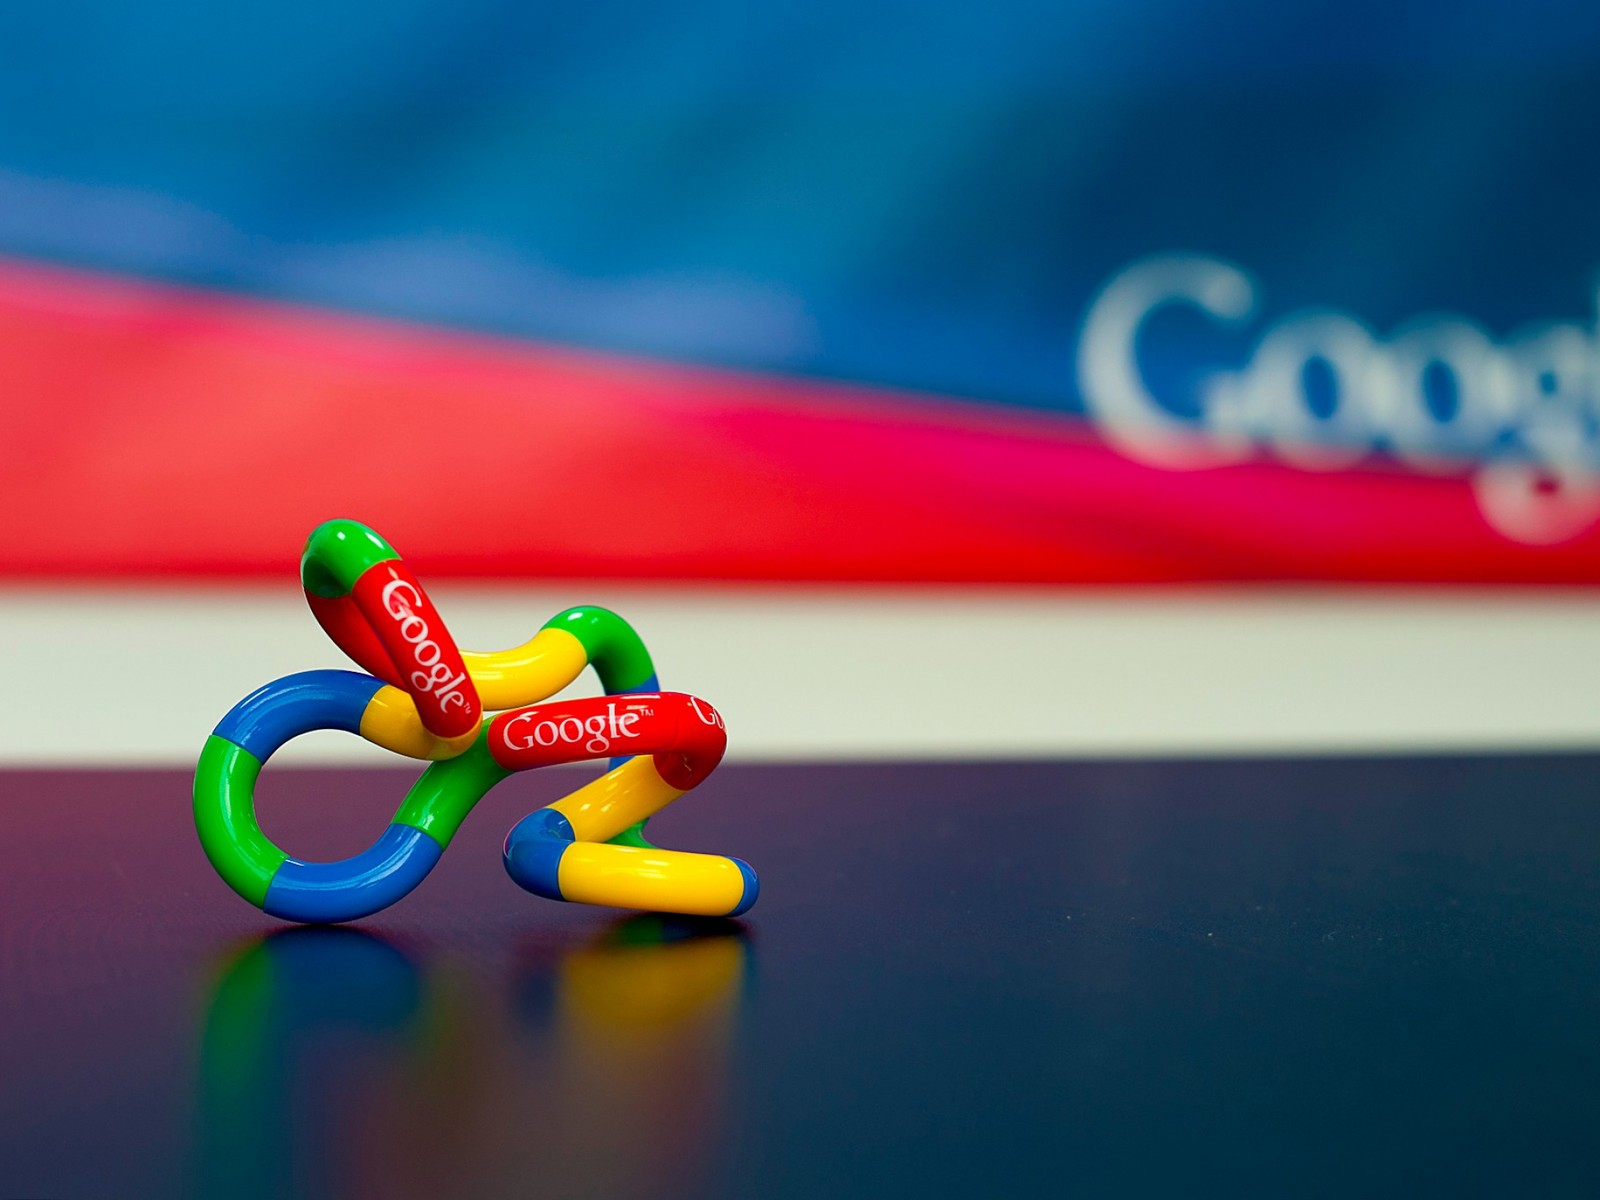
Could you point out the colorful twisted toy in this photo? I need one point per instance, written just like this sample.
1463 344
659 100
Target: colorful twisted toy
424 698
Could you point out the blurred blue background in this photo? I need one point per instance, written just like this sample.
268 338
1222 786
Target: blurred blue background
913 194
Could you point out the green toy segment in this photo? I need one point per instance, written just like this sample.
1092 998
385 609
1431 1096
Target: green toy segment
614 650
224 815
337 554
447 791
620 659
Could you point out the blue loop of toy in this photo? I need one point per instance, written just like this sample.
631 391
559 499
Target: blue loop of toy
322 892
260 725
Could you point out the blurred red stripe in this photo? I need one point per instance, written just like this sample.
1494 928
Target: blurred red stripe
156 431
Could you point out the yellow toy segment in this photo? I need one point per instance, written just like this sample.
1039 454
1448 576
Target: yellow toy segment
532 672
526 674
706 885
391 720
600 810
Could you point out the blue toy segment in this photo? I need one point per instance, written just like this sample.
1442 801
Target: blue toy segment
353 887
285 708
752 887
533 852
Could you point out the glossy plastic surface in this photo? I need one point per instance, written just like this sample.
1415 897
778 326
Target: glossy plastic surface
377 612
355 887
673 741
588 847
560 852
225 777
357 586
224 800
285 708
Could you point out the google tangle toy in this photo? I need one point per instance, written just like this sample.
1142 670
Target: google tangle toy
476 718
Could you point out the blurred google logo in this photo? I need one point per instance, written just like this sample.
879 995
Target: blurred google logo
1322 391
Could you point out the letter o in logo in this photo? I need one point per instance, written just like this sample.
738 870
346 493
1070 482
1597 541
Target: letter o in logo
1479 374
1279 399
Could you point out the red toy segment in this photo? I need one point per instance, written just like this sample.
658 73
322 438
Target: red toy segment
684 734
343 622
415 640
683 769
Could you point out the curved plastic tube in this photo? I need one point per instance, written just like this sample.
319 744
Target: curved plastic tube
367 601
373 608
376 610
560 852
669 743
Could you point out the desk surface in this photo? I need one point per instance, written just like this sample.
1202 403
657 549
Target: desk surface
1265 978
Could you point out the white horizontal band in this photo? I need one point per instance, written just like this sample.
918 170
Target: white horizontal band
101 676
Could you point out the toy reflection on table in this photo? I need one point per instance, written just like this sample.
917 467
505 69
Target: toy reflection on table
335 1062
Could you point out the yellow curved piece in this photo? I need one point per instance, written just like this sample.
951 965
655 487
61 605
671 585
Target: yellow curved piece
525 674
706 885
391 720
604 807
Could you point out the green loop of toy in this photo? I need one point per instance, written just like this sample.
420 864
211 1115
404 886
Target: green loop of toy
615 651
448 790
336 555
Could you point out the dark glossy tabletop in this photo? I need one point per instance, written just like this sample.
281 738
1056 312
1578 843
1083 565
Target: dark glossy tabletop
1261 978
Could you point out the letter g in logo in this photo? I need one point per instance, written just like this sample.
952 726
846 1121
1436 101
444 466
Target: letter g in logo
1109 377
399 608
